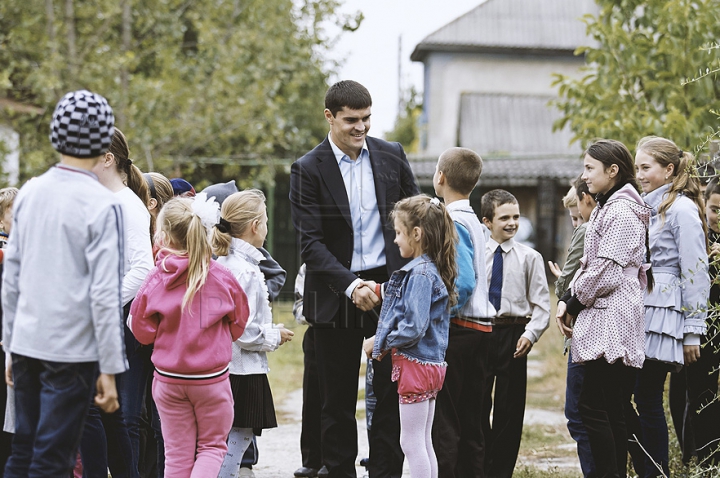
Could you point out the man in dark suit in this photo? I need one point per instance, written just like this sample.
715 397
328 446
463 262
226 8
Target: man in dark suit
341 194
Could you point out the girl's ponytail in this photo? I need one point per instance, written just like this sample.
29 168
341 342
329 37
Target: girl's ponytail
137 183
238 212
199 257
134 180
184 233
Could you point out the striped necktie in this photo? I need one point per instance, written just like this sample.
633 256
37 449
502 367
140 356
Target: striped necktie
496 279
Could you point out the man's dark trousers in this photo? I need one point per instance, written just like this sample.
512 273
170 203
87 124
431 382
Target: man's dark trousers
338 349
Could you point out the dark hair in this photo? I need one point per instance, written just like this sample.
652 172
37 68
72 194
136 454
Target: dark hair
713 187
581 188
135 181
609 152
462 167
439 235
493 199
347 93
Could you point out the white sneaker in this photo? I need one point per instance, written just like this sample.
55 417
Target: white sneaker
247 472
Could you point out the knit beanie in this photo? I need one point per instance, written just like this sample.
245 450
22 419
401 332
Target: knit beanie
82 125
221 191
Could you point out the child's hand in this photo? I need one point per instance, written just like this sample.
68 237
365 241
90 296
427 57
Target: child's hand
368 345
106 397
715 250
285 334
523 347
691 353
8 375
554 268
563 320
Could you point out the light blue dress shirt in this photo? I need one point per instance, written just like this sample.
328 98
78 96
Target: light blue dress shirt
368 241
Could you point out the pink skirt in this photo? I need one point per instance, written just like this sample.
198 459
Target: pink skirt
417 382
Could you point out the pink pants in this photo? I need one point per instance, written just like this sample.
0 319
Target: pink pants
195 421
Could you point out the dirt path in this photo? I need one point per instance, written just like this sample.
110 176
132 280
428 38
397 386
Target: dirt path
280 447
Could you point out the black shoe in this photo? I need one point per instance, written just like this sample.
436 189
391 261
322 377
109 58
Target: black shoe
365 463
308 472
323 472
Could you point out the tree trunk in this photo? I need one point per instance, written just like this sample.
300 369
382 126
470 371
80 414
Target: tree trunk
72 47
124 74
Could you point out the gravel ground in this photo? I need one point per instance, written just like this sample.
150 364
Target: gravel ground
280 447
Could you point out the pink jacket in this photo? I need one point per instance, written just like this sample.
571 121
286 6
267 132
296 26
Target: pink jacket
611 282
194 344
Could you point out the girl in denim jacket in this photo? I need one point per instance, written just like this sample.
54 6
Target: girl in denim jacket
415 319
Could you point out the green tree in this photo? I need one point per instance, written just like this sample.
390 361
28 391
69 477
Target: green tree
405 130
635 79
204 88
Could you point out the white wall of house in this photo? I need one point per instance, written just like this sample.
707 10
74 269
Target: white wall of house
448 75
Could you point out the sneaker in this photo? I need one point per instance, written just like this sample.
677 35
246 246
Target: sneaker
246 472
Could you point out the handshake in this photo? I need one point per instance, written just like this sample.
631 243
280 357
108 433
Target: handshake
364 296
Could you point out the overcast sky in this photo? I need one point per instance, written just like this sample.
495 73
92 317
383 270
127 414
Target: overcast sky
370 54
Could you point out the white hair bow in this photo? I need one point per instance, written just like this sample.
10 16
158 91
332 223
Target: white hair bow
207 209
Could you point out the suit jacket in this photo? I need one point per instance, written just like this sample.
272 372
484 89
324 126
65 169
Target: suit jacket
321 216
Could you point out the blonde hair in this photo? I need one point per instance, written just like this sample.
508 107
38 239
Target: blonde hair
184 234
239 210
7 198
160 189
666 152
570 199
438 238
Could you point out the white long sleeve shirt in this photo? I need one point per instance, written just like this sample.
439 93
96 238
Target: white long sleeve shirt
525 290
138 247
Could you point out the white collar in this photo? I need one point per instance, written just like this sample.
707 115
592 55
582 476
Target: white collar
458 205
245 248
506 246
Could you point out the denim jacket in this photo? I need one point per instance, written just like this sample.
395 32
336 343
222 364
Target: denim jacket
415 318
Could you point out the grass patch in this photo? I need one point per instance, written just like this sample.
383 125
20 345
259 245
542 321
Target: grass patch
533 472
286 363
544 437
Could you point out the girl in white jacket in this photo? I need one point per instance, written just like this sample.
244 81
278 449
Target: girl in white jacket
242 229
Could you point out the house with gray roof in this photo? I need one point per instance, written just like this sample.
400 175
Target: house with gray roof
488 84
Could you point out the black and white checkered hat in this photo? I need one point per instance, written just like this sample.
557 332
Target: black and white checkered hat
82 125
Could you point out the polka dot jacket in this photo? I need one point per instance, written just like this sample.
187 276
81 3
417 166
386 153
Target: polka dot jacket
611 282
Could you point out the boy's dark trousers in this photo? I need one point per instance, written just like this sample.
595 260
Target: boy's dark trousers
51 404
457 429
509 376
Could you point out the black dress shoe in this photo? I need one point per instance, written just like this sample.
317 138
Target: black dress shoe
323 472
307 472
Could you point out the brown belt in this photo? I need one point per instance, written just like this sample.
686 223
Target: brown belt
468 324
510 320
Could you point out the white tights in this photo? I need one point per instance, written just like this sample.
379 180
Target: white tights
238 442
416 421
